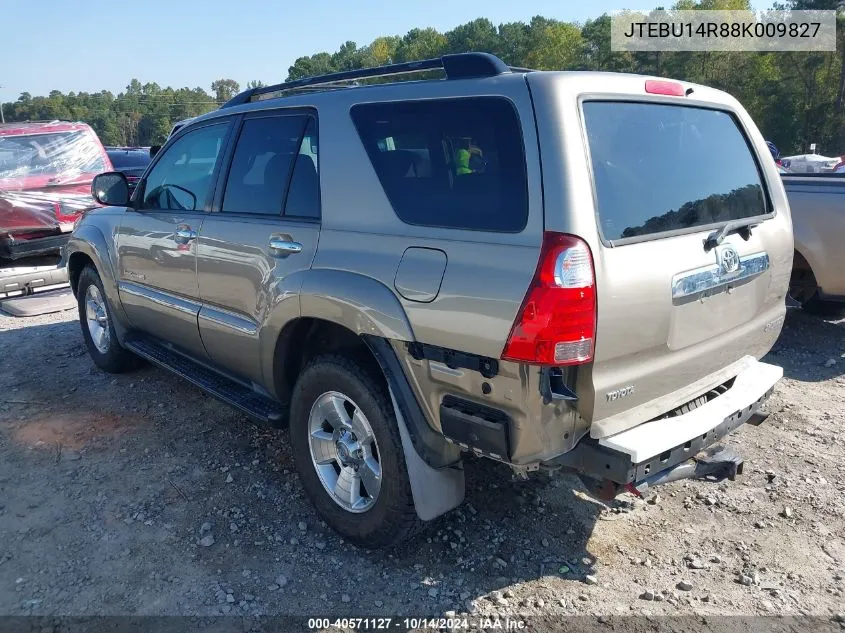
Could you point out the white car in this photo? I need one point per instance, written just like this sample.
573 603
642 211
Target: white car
810 163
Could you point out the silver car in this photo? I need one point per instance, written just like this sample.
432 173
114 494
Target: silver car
547 269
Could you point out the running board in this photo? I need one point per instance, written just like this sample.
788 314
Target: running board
231 392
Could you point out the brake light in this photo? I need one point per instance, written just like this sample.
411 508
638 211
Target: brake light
660 87
556 324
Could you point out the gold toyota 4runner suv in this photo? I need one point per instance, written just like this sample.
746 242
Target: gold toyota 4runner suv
549 269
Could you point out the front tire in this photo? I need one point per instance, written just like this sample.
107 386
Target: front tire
349 454
98 327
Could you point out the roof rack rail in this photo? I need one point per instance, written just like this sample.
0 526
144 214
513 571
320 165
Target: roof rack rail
458 66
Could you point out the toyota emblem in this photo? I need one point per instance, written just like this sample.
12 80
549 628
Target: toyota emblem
728 260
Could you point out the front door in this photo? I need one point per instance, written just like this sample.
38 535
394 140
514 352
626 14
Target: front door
157 240
263 230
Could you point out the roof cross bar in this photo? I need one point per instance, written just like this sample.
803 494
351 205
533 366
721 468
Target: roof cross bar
458 66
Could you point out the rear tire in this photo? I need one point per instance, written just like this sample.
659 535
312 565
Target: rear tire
98 327
342 425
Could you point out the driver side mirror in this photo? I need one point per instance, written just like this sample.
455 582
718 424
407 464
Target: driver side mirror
154 150
111 189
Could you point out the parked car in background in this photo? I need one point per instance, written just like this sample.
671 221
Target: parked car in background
810 163
46 170
335 259
130 161
818 218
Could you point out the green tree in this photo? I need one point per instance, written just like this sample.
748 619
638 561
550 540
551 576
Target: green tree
795 98
383 50
319 64
225 89
478 35
596 51
554 45
421 44
512 43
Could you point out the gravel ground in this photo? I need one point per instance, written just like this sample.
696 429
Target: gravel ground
138 494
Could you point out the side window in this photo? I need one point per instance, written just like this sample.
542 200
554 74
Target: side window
454 163
303 199
261 164
182 178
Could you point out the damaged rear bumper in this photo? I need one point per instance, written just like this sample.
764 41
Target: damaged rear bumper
681 446
11 248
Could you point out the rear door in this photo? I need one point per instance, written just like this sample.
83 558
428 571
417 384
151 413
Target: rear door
263 230
675 311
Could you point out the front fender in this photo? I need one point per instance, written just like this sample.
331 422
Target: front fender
89 240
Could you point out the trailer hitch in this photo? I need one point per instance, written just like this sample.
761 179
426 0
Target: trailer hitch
714 463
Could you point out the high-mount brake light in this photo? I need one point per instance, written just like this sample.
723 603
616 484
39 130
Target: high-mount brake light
660 87
556 324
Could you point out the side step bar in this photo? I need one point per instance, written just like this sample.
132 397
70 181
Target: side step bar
232 392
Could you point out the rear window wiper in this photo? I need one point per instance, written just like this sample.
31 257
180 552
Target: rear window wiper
743 227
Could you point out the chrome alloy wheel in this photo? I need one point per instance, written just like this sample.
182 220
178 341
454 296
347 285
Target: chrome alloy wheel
97 318
344 452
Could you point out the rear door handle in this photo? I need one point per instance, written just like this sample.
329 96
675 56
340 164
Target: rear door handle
282 248
184 234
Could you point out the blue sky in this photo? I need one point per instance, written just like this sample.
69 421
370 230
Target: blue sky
90 45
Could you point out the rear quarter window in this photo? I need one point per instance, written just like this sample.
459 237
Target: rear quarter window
453 163
664 168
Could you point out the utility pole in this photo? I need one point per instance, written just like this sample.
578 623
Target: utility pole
2 118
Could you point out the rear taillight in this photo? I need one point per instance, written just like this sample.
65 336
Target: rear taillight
556 324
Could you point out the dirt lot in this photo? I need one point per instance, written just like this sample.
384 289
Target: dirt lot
139 494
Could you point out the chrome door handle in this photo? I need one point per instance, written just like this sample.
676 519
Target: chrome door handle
184 234
283 248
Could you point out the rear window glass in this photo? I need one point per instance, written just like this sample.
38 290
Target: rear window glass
660 168
456 163
261 164
127 160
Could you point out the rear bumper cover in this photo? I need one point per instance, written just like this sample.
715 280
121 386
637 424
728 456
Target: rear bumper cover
11 248
645 450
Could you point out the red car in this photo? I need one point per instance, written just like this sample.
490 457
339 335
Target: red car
46 169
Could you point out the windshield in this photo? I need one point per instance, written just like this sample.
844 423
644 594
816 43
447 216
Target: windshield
54 153
661 168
